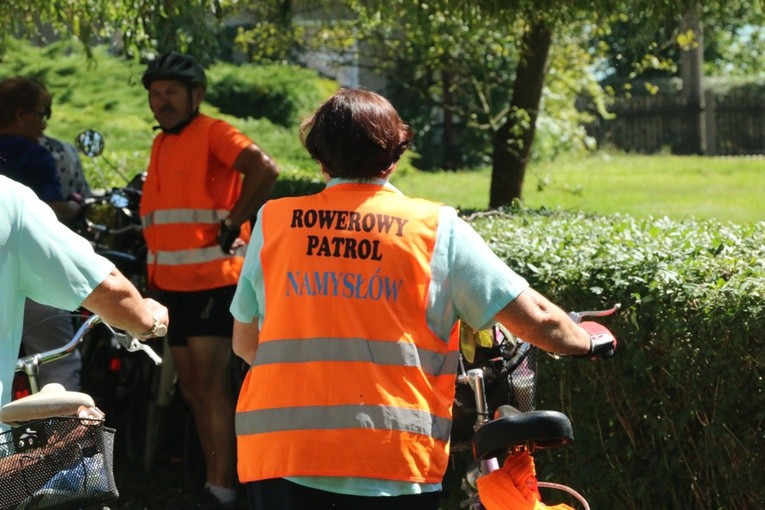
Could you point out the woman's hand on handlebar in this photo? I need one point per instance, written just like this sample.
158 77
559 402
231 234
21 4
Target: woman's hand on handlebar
121 305
534 319
602 341
161 319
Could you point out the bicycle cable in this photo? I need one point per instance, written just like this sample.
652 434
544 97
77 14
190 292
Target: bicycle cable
565 488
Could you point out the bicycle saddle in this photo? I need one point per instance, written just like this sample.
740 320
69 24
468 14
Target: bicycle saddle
539 429
52 400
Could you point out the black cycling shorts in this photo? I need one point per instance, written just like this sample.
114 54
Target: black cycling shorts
286 495
198 313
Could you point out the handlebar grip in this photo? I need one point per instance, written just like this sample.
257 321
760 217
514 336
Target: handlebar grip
602 341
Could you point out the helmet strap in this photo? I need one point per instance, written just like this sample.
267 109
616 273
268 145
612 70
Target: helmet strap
174 130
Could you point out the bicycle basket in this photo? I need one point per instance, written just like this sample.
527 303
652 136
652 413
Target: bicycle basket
510 377
57 464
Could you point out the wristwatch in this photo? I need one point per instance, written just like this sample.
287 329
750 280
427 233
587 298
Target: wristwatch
157 329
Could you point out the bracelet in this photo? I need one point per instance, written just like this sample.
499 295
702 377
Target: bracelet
157 329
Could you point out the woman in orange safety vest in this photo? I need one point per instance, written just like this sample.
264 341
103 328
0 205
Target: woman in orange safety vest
345 310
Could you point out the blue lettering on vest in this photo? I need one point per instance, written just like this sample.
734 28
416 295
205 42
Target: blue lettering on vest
346 285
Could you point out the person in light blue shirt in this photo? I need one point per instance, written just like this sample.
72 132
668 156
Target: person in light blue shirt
46 327
25 109
42 259
357 137
467 276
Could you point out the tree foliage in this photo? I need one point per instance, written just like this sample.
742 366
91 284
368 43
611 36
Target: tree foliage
487 63
136 27
459 72
730 35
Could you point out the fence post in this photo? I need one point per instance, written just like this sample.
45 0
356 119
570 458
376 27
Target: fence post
710 122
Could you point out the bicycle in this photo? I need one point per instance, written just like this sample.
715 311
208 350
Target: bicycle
134 393
111 220
58 453
507 428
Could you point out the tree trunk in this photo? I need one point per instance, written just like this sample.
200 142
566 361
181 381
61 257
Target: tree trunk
447 136
691 71
512 142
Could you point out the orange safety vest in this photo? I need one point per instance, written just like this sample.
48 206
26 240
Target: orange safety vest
348 380
190 187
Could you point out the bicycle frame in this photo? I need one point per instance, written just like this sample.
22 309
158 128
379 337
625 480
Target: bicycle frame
512 431
58 451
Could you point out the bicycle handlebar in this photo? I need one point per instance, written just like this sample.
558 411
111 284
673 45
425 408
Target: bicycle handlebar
577 318
103 229
119 198
30 364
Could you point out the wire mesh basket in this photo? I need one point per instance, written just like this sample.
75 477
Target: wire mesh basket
510 377
57 464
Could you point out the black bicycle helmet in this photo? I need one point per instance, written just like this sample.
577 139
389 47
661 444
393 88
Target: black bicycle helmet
175 66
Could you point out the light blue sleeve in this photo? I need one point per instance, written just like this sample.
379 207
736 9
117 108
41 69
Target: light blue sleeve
42 259
57 266
249 298
469 281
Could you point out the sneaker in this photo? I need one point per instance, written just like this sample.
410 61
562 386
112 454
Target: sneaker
205 500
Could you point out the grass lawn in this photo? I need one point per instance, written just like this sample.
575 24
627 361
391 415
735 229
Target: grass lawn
731 189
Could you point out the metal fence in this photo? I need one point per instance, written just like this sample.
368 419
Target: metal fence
732 124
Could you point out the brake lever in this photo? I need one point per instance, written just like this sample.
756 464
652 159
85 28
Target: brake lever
132 344
578 316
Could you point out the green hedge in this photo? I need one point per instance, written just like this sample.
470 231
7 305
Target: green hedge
675 419
283 94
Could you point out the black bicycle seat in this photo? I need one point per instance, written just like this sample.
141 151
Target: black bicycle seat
539 429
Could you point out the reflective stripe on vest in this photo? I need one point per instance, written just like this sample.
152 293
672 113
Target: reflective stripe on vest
345 418
168 216
348 379
185 216
195 256
357 349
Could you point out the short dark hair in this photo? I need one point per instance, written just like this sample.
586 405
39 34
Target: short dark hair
19 93
356 134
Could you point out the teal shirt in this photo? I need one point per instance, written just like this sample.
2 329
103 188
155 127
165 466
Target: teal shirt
42 259
469 282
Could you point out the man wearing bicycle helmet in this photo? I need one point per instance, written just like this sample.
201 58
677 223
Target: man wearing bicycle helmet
204 182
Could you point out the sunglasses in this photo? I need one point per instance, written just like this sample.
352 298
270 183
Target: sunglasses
44 114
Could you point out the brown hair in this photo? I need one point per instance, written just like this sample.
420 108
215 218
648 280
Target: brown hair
356 134
16 94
